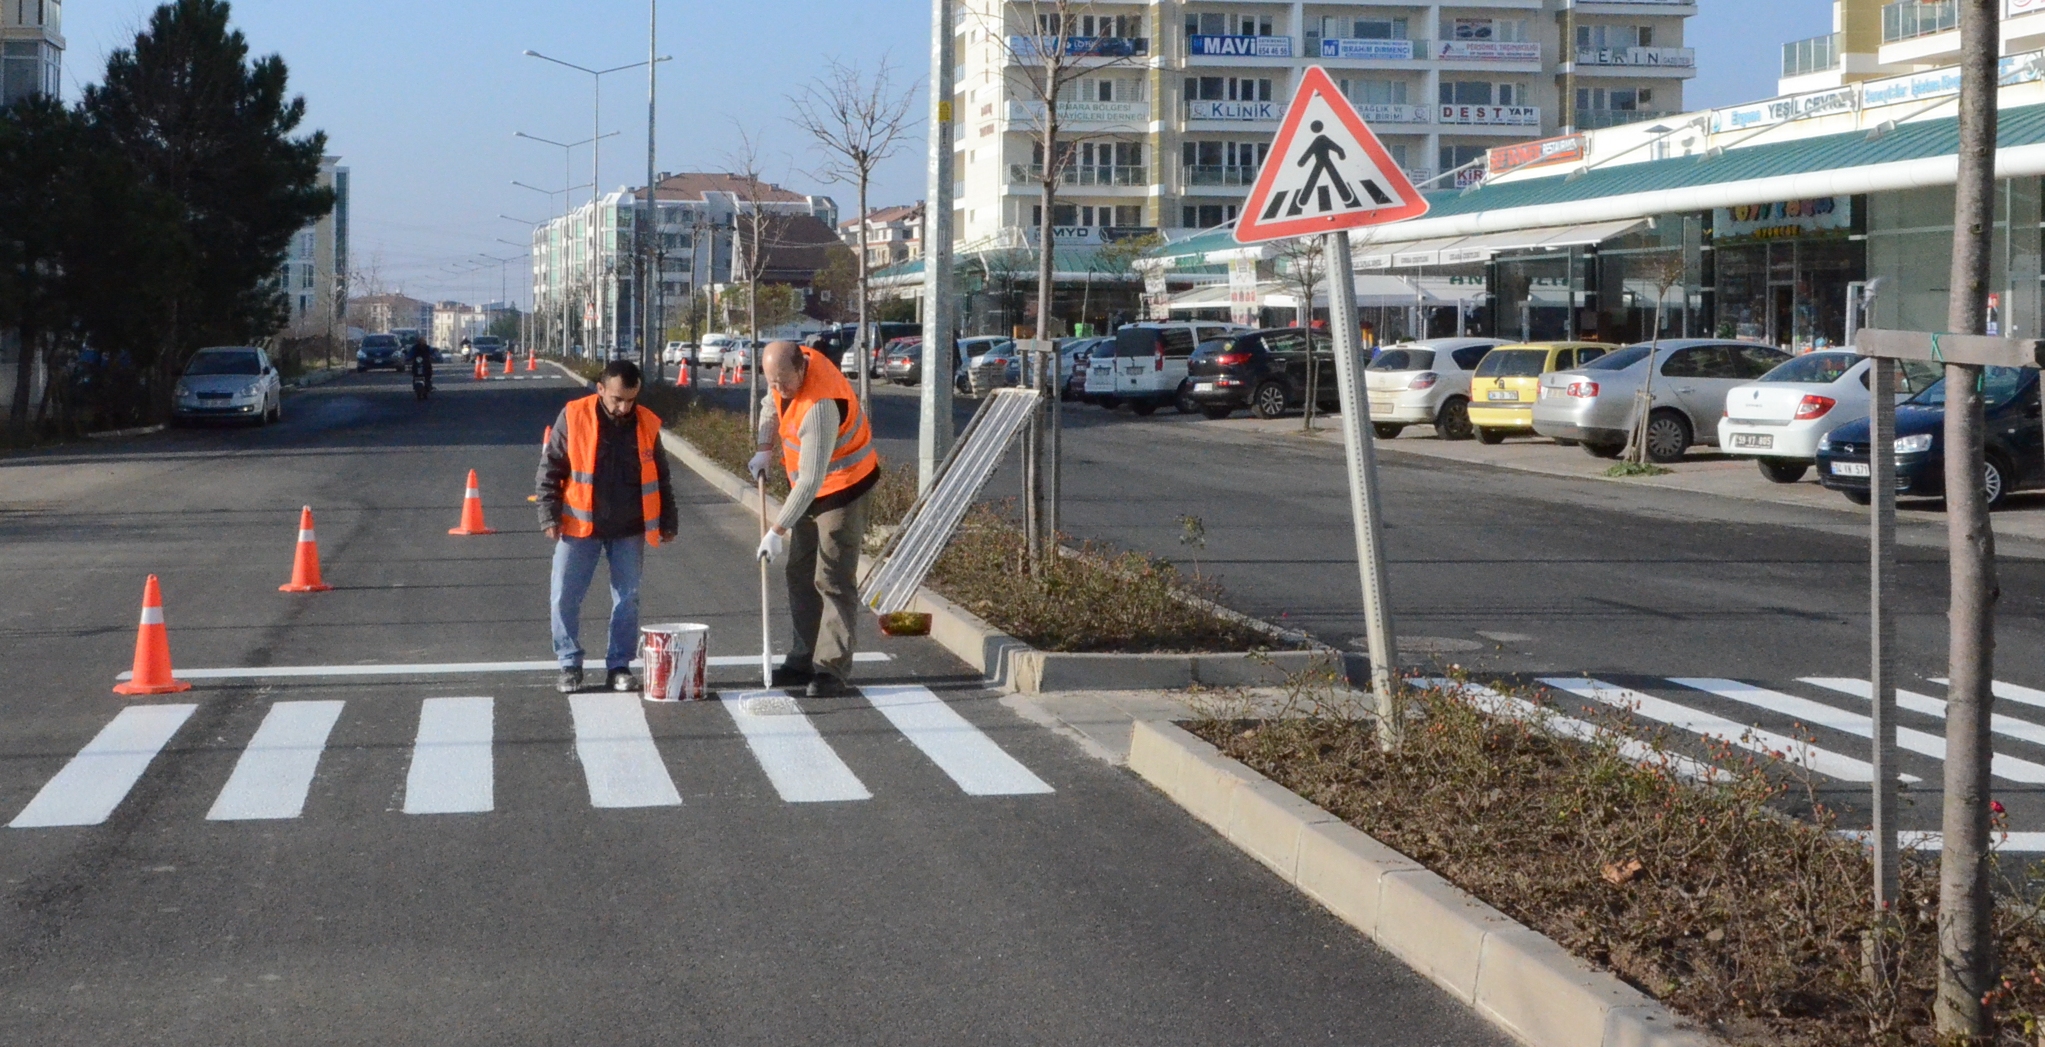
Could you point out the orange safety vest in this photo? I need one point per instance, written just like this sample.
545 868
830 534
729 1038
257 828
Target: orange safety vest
853 459
578 499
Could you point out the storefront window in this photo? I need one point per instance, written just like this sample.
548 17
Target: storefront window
1910 242
1536 296
1781 271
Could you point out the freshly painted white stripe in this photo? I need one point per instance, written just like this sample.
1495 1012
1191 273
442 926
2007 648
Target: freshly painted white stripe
2008 692
717 661
2007 726
619 759
957 747
2022 843
1818 714
152 616
451 765
802 766
89 787
1507 707
1681 717
275 771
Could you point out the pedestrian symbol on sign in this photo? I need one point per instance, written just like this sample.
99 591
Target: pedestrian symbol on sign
1326 171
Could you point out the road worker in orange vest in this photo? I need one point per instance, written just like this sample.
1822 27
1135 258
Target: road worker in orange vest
812 417
604 492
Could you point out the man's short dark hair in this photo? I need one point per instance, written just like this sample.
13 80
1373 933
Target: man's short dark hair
622 369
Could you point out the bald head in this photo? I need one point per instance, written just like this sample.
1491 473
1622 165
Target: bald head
783 365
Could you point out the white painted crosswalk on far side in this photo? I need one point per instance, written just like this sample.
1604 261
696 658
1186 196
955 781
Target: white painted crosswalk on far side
452 766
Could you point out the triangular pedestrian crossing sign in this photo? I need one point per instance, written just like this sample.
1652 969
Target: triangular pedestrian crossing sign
1326 171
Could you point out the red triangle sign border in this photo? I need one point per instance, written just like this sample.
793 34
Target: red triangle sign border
1248 230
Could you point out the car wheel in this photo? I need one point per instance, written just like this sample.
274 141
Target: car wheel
1217 413
1268 400
1143 408
1858 497
1109 403
1386 430
1186 404
277 411
1452 422
1489 436
1781 472
1668 436
1995 475
1596 450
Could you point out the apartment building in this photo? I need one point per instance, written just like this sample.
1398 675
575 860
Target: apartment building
31 49
893 235
582 262
1176 103
1872 39
314 277
384 313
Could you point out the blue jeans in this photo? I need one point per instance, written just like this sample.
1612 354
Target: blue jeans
574 568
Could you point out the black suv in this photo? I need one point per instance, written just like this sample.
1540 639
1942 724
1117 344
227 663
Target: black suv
1265 371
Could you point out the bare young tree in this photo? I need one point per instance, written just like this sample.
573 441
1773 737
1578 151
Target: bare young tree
750 251
1305 270
857 122
1662 272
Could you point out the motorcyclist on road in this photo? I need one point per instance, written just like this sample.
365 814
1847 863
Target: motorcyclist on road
422 361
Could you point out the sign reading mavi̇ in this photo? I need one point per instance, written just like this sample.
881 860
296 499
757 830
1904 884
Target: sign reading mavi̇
1326 172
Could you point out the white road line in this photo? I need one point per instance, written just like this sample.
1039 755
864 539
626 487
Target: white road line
2008 692
1682 717
957 747
1818 714
451 769
89 787
2015 843
2007 726
718 661
802 766
275 771
619 759
1507 707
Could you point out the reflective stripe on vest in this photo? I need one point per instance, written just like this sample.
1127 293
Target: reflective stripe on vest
853 458
578 495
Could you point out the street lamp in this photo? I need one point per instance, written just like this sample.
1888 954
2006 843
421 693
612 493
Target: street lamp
560 268
596 79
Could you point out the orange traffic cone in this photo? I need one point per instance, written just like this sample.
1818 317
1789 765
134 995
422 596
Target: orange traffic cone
472 511
305 566
507 363
152 673
479 368
530 363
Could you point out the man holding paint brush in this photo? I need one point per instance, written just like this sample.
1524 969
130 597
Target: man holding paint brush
811 413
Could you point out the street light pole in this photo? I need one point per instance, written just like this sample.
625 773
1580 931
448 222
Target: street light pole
566 152
934 430
649 360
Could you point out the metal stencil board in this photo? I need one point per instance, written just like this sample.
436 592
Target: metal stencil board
931 521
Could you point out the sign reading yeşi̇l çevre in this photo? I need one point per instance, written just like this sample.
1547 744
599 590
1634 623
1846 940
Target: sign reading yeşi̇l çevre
1783 218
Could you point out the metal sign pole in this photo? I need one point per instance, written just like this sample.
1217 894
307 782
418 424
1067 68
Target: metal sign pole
1882 623
1364 509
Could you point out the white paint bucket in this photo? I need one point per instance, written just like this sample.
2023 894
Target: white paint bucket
677 660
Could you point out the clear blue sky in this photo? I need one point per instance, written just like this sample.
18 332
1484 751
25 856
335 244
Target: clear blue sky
420 97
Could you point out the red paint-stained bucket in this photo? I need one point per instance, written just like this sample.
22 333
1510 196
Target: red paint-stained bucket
676 659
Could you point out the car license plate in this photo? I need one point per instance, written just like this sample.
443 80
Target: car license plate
1849 468
1384 406
1761 440
1501 394
1203 387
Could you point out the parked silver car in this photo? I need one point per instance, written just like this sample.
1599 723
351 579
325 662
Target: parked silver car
1594 404
1425 383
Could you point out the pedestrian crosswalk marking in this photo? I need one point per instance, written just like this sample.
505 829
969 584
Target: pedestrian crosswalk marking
620 761
2007 726
95 781
959 749
1508 707
1818 714
2008 692
275 772
1682 717
803 767
452 770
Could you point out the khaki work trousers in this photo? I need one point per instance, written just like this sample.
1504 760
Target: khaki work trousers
823 587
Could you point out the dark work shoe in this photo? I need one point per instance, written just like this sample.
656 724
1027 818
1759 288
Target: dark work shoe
623 680
569 682
824 685
791 675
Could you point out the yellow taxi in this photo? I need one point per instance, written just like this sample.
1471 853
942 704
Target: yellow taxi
1508 380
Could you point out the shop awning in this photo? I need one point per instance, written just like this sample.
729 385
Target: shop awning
1462 250
1213 296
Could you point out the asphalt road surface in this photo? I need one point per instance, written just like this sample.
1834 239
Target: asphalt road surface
393 856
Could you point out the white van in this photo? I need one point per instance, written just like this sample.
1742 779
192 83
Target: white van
1148 362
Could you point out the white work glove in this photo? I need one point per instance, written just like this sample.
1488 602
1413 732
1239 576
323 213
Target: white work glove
771 546
757 465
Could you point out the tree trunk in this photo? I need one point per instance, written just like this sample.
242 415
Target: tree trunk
1041 544
1966 948
859 343
24 377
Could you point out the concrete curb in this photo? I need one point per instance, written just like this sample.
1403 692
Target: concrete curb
118 434
1016 666
1520 980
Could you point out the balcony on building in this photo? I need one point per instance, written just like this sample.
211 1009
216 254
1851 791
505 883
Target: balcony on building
1920 33
1815 55
1593 119
1030 48
1135 176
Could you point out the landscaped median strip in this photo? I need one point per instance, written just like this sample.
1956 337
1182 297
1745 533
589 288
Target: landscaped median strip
1519 979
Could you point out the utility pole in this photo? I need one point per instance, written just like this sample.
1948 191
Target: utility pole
1967 966
940 310
650 360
